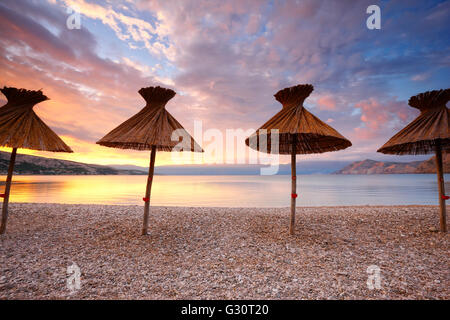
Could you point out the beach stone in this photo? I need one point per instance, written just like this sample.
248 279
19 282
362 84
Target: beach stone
223 253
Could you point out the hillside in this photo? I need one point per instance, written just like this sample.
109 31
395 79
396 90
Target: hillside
34 165
429 165
26 164
380 167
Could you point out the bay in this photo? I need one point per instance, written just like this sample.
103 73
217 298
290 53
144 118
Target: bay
229 191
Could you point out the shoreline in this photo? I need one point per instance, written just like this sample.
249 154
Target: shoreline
224 207
4 174
223 253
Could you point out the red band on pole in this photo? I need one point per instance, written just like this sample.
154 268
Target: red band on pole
294 195
294 177
2 195
146 199
445 197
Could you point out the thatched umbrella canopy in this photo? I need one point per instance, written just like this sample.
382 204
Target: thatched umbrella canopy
151 129
428 133
20 127
299 132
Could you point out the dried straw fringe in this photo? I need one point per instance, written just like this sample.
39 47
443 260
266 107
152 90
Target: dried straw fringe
420 136
20 127
152 126
297 125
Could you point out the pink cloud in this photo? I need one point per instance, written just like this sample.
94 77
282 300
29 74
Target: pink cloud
327 103
378 117
420 76
227 57
253 24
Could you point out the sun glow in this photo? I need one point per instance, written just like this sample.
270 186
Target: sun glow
89 152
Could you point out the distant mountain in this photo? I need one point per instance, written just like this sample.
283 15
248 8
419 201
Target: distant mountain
26 164
429 166
380 167
128 167
34 165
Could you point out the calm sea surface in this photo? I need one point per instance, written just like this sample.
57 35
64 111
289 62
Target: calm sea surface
229 191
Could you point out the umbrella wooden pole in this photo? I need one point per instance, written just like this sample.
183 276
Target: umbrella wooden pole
441 187
12 160
294 189
148 190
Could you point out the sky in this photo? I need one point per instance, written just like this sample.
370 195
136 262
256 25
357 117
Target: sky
225 59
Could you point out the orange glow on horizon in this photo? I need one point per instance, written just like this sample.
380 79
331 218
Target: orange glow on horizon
91 153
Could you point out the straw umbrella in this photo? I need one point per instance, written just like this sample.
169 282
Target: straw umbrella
299 132
428 133
20 127
151 129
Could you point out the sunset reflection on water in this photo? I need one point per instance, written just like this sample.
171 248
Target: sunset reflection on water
227 191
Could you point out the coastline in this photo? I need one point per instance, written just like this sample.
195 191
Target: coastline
223 253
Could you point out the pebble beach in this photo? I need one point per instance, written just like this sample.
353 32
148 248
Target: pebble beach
223 253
